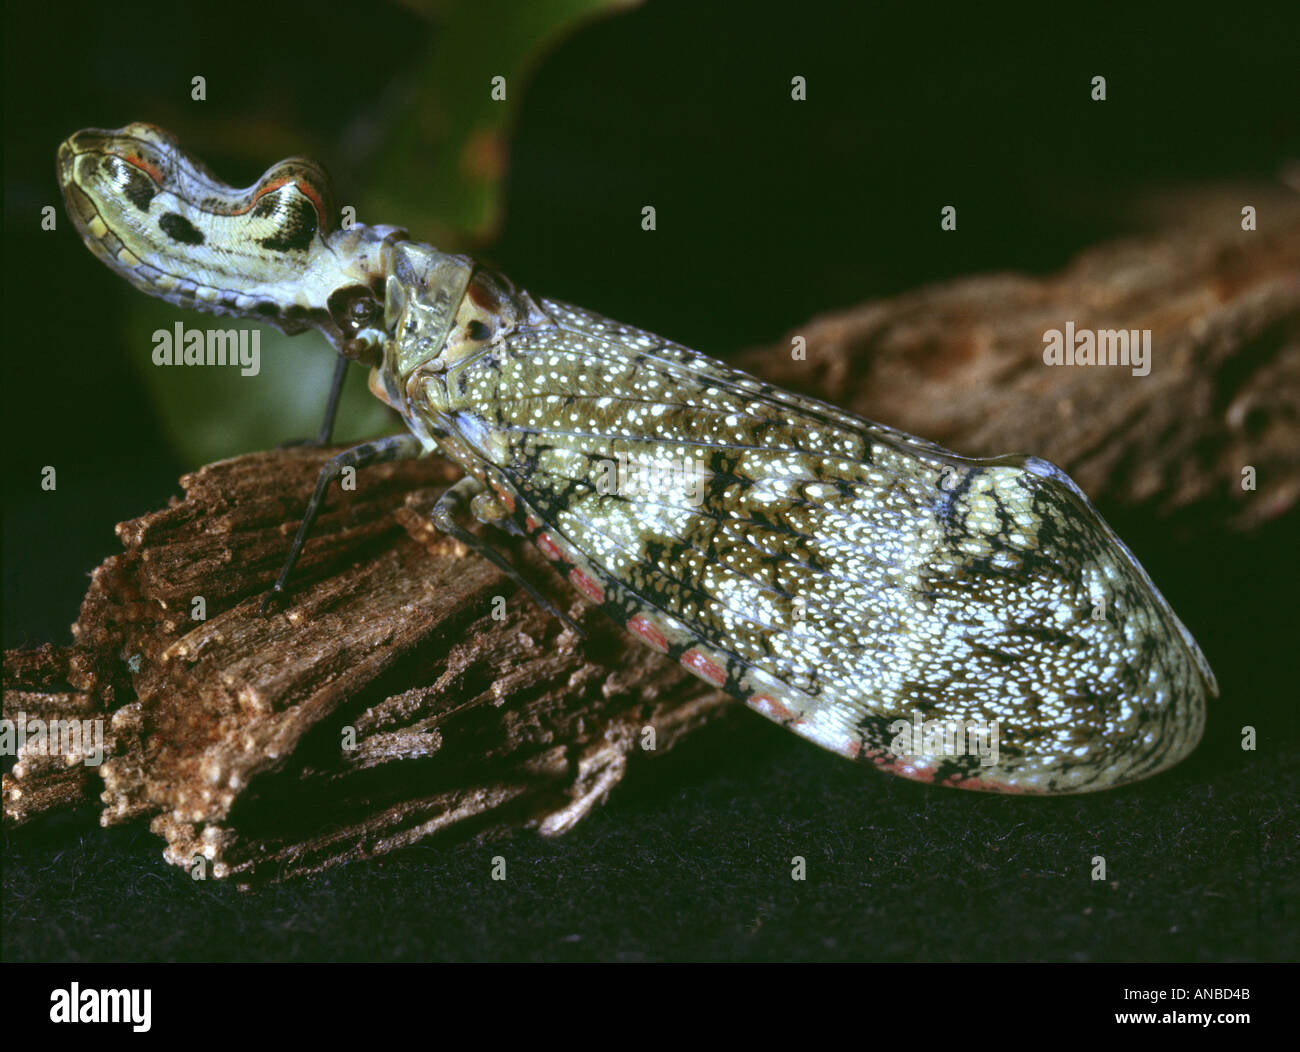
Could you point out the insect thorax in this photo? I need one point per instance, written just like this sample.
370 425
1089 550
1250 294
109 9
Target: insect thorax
440 313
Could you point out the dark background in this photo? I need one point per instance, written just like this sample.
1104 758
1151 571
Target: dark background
769 212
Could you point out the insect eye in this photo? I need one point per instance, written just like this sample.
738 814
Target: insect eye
353 309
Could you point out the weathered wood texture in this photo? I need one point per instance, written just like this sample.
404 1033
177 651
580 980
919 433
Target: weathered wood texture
384 702
961 363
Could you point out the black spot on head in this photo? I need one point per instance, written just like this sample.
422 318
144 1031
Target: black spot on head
295 221
178 228
476 330
267 309
140 190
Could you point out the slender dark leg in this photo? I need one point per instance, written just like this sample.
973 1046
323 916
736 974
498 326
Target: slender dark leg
331 410
454 499
397 447
332 406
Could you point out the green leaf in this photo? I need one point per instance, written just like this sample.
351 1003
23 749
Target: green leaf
211 412
440 171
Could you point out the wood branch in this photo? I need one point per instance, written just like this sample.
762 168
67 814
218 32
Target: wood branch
406 690
961 363
385 702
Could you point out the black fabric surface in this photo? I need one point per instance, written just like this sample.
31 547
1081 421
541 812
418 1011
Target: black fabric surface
692 860
699 869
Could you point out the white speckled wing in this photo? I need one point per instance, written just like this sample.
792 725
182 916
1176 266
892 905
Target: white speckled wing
837 575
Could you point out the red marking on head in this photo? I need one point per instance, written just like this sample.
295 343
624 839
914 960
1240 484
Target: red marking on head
151 170
531 524
548 547
704 667
586 586
316 198
303 187
644 629
771 708
269 187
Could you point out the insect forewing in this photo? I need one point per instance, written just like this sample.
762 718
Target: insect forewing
840 577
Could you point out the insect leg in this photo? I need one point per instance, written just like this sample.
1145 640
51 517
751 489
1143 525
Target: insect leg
396 447
452 501
331 410
332 405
